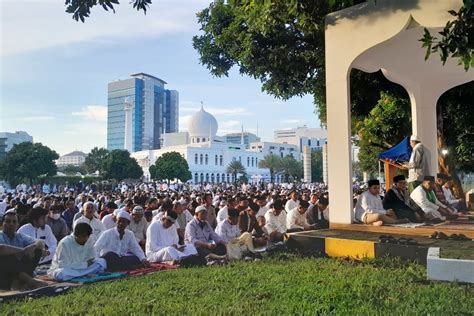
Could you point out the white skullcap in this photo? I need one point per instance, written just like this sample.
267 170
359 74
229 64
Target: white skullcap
200 209
124 214
414 138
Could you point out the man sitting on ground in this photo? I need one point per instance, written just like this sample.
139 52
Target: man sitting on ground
459 204
315 215
398 199
75 256
138 225
19 256
200 234
369 208
441 180
37 229
119 247
229 228
425 198
57 223
296 218
162 242
88 217
276 221
248 220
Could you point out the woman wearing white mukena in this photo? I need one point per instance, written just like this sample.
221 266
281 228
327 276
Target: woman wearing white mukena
419 164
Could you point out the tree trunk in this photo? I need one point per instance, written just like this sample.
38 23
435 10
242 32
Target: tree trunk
445 162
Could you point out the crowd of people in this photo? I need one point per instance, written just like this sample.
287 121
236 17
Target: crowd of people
82 233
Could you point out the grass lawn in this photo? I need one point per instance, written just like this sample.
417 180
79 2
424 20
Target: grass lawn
283 285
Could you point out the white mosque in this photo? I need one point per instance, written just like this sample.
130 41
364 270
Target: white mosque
208 155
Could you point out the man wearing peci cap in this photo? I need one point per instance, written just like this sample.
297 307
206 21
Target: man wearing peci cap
425 197
398 199
369 208
162 242
419 164
119 247
138 225
200 234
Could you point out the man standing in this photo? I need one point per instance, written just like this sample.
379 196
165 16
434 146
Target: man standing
419 164
162 242
19 256
37 229
369 207
425 198
398 199
75 256
119 247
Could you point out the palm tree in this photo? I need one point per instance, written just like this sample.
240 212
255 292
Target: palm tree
271 162
289 166
234 168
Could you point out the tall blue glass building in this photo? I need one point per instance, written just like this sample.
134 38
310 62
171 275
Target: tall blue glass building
155 111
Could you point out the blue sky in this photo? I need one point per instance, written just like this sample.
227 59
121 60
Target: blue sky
54 72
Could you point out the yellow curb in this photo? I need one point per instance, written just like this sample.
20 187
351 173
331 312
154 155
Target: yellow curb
356 249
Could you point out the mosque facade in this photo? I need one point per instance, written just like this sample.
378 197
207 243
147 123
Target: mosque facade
208 155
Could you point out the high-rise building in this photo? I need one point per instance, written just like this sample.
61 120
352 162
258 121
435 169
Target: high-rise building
154 111
7 140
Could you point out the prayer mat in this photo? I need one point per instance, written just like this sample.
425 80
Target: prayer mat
50 290
153 268
105 276
406 225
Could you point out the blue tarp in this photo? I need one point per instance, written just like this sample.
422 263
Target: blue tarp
399 152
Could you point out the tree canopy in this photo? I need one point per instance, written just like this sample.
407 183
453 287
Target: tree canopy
119 165
95 159
27 161
170 166
271 162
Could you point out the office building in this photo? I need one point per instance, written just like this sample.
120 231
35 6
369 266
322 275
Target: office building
7 140
143 105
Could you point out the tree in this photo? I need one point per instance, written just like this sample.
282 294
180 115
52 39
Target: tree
235 167
385 126
170 166
317 166
81 9
119 165
27 161
271 162
457 37
290 167
95 159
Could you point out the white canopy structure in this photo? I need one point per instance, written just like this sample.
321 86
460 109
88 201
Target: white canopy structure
383 35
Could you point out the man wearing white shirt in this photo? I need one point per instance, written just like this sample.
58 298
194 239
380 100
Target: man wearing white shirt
89 218
75 256
458 204
296 218
229 228
425 197
262 203
119 247
38 229
138 225
292 202
369 208
223 211
162 242
109 220
276 221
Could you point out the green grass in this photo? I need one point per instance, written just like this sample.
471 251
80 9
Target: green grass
272 286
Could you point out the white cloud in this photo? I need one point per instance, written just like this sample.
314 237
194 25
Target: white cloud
224 110
93 112
183 122
46 24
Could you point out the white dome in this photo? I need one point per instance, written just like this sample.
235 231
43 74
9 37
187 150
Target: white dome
201 124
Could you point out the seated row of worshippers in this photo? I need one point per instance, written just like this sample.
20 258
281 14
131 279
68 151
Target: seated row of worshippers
430 201
173 234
